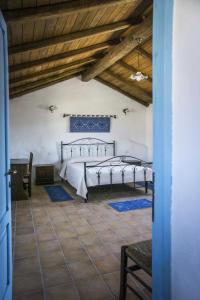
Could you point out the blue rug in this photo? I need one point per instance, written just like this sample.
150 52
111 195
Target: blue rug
131 205
57 193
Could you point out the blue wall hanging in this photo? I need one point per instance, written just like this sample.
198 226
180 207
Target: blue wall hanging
89 124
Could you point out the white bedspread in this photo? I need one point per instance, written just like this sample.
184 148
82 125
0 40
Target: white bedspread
73 171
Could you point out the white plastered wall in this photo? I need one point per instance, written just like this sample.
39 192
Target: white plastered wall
149 131
185 223
34 128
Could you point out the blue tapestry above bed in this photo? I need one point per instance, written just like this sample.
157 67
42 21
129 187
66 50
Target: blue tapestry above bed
89 124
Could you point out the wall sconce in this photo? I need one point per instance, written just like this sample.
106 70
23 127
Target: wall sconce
52 108
126 110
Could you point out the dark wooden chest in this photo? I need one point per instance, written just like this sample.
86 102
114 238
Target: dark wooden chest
44 174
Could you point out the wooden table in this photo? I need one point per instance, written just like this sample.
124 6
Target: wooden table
17 190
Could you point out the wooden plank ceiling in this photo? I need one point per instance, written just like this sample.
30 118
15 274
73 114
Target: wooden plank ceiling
54 40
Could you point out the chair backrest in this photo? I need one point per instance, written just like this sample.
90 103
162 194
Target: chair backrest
30 162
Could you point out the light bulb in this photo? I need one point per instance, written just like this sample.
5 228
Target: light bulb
139 76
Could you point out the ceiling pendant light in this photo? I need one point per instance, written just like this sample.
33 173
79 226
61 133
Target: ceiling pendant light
138 76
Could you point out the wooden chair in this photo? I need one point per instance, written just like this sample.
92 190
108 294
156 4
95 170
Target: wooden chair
28 177
141 254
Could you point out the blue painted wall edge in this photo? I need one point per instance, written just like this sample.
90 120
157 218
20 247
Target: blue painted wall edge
162 153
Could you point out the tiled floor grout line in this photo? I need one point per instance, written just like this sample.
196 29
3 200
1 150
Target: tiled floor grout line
91 259
97 270
92 210
111 272
99 273
60 246
102 277
38 253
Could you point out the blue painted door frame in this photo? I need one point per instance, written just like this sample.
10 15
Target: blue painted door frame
5 201
162 116
162 74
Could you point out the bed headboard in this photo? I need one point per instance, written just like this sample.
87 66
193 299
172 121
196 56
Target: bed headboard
87 147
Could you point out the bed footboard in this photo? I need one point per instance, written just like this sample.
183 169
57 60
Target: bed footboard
124 163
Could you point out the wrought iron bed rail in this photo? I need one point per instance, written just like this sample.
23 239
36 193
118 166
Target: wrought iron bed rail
89 145
124 161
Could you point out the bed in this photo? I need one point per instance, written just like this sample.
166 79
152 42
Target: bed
91 162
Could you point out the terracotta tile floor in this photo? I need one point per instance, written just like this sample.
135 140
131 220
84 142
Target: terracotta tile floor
71 250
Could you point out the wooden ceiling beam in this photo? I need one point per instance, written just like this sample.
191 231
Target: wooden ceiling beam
132 69
55 58
136 89
44 81
116 88
70 37
65 67
144 53
39 87
119 51
59 10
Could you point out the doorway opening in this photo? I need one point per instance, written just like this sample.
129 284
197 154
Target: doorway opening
48 52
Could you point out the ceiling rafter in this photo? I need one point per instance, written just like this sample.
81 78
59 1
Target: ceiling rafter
119 51
62 56
49 71
144 53
30 68
59 9
70 37
30 89
136 89
132 69
116 88
41 82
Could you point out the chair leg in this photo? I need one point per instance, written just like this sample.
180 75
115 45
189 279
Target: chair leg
29 188
24 186
29 192
123 274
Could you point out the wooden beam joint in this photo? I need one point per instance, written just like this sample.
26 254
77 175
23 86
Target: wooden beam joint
120 50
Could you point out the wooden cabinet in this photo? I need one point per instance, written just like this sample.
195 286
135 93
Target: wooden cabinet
44 174
20 167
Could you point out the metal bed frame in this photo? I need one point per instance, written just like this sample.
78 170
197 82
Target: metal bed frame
89 144
102 148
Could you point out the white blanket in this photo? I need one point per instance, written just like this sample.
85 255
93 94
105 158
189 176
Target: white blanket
73 171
